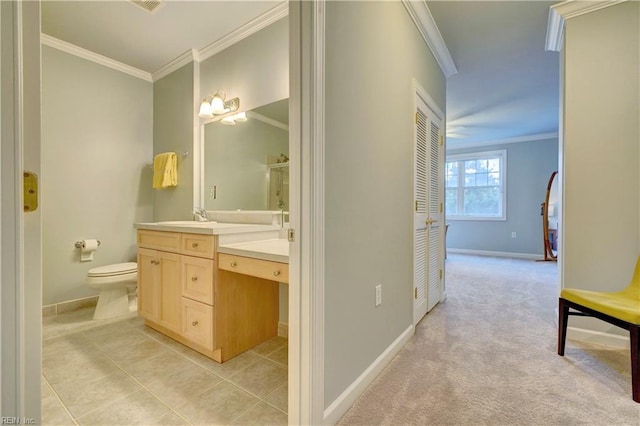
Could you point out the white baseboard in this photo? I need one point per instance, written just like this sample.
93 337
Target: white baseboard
598 338
283 329
496 253
336 410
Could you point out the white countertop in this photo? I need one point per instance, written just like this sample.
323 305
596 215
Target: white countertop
209 228
276 250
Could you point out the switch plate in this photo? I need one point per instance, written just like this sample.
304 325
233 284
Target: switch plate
379 295
513 234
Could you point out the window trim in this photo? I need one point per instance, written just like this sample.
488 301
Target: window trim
479 155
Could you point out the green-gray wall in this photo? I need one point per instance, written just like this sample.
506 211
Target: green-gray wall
529 166
255 69
96 182
373 50
600 213
173 124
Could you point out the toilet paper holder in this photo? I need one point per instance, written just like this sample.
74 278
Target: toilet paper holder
80 244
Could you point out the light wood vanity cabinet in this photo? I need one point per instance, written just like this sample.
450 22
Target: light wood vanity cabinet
183 294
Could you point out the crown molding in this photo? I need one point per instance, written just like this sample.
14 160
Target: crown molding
72 49
560 12
182 60
421 15
251 27
519 139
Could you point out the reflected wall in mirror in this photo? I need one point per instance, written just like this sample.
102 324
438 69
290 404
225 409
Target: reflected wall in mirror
246 165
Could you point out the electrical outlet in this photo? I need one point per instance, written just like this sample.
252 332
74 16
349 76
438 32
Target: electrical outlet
513 234
379 295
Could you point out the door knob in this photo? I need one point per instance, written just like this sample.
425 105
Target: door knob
430 221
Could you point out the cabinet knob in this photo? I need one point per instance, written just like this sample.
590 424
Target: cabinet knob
194 323
155 262
194 245
233 264
194 278
276 273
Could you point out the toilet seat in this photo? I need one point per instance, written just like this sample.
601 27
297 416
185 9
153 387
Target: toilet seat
116 269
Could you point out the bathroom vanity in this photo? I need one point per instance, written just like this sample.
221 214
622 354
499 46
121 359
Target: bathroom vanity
211 286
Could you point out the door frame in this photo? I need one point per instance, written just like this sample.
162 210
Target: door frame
21 233
306 260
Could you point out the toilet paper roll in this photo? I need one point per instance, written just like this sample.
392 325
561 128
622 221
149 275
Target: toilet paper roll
87 249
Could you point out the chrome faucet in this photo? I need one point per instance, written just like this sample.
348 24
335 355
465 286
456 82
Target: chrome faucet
200 214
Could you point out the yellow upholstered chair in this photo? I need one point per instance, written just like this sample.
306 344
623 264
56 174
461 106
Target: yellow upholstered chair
621 308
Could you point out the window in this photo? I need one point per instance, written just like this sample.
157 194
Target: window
475 186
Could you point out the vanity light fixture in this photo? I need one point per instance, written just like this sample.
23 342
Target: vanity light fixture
236 118
217 105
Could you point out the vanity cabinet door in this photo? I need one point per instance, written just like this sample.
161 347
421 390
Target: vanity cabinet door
148 285
169 309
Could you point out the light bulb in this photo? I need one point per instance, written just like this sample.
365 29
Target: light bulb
240 117
217 104
205 109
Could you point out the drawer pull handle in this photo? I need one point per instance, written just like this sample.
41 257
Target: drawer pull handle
233 264
194 278
194 323
155 262
276 273
194 245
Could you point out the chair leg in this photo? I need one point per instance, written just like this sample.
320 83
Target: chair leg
563 316
634 337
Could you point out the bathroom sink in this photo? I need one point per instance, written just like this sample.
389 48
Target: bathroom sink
196 224
184 223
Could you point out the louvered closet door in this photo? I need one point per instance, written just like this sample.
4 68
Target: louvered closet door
420 238
436 216
428 155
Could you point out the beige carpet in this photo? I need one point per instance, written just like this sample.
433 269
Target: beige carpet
487 355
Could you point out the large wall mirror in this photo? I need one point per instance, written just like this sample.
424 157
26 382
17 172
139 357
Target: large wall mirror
246 164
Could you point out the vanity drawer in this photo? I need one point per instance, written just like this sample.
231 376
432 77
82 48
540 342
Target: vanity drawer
266 269
197 323
159 240
198 245
197 279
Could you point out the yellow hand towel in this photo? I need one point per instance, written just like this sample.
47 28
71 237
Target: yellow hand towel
165 173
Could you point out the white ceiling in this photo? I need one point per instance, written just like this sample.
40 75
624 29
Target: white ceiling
120 30
506 87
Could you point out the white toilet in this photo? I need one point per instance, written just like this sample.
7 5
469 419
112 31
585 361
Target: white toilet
114 282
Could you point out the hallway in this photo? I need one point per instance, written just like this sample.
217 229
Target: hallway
487 355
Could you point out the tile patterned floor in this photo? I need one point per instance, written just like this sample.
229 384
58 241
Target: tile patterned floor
120 372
